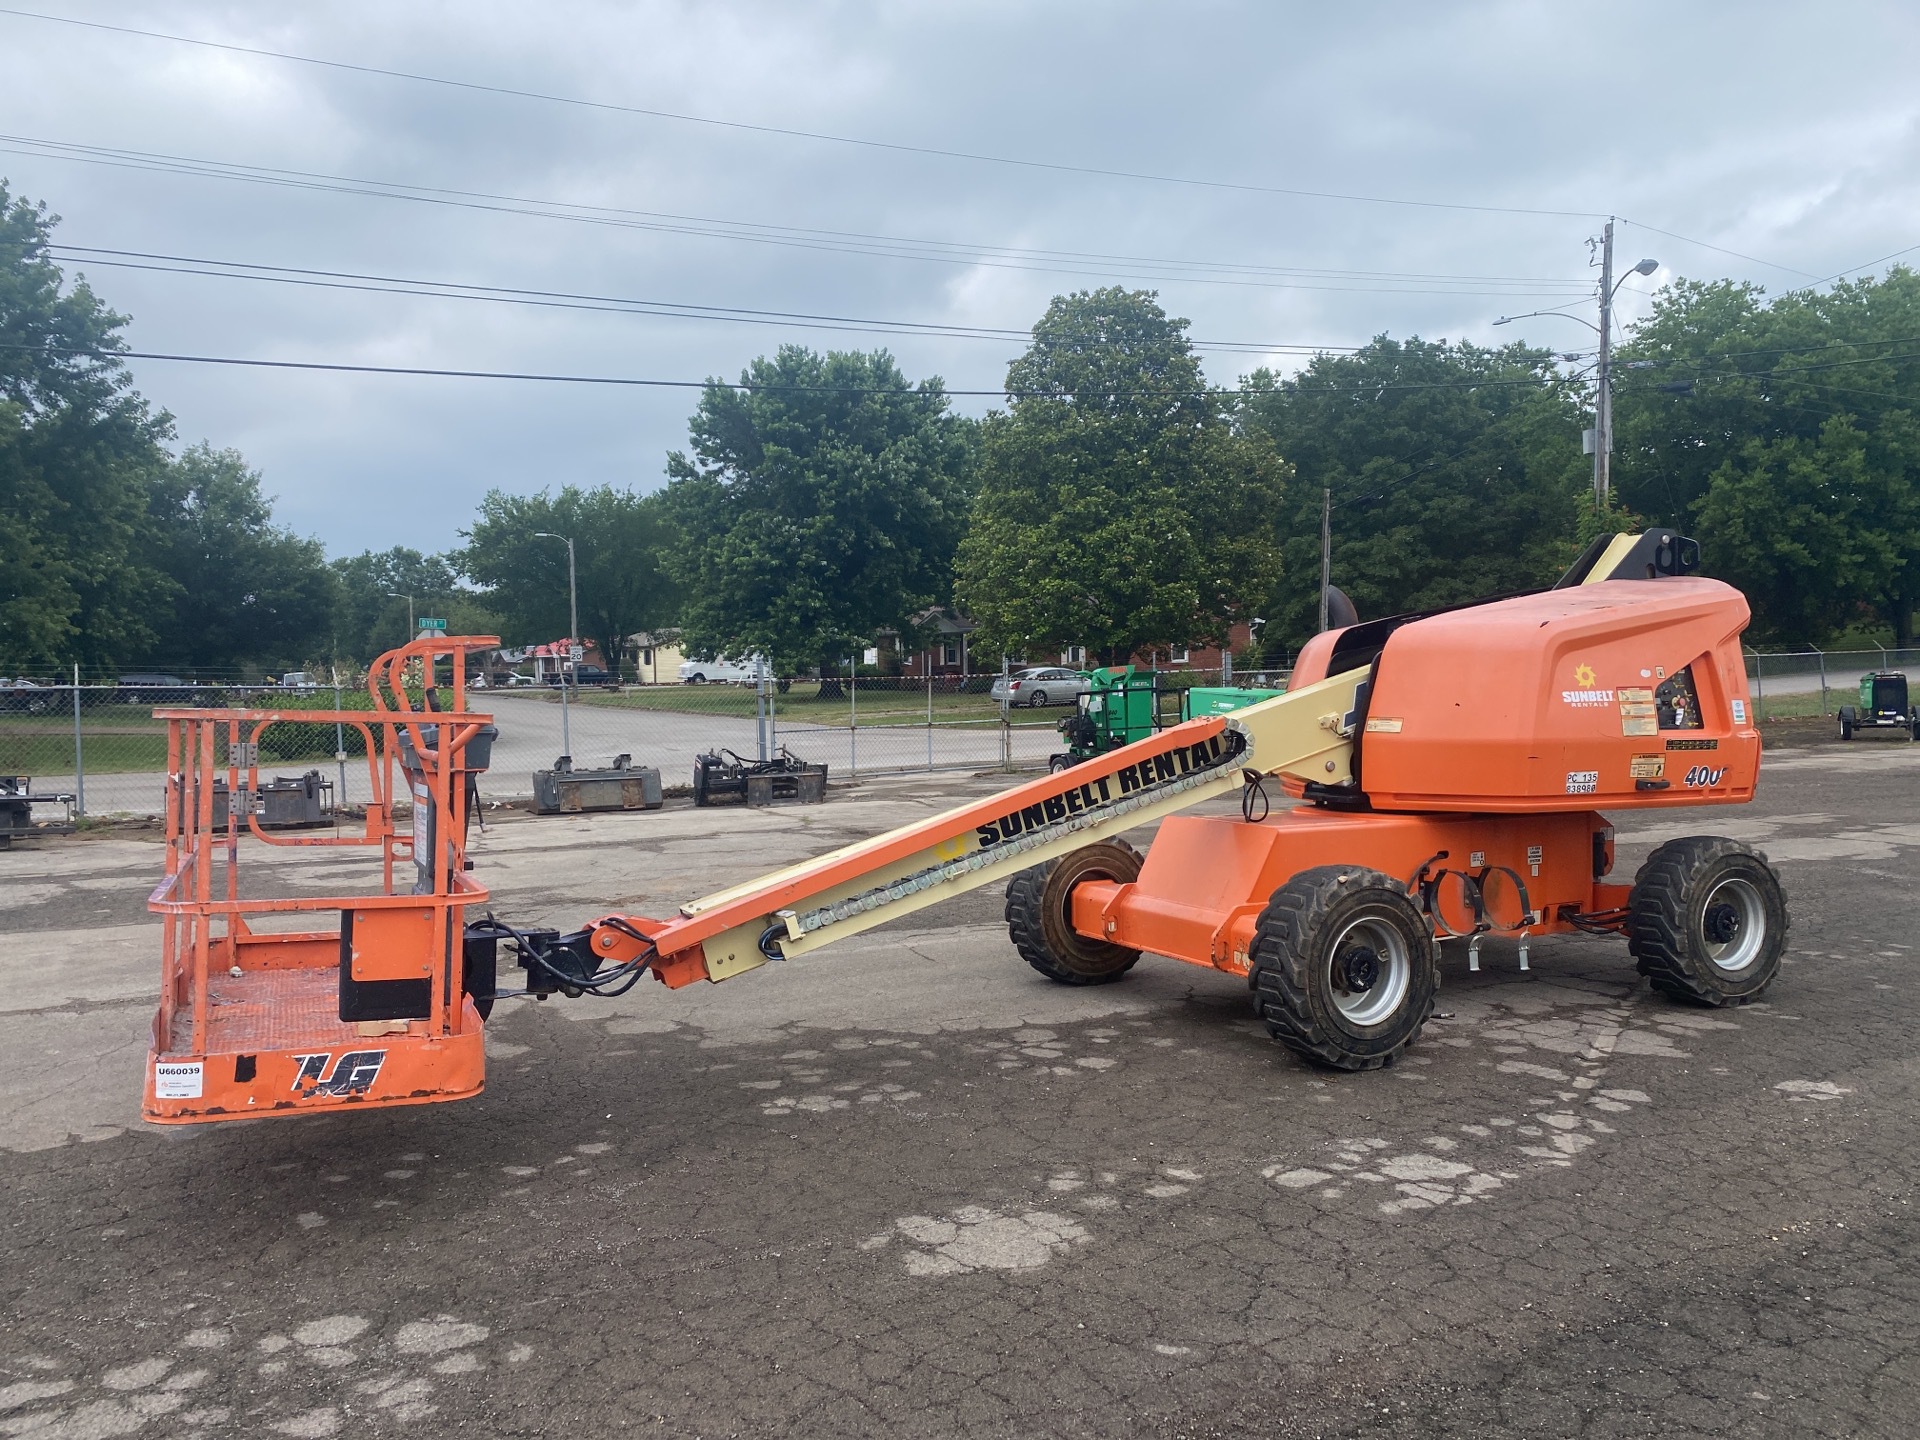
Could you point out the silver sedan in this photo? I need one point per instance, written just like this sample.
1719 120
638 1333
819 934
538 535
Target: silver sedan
1042 685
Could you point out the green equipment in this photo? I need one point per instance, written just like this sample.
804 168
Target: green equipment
1883 706
1124 703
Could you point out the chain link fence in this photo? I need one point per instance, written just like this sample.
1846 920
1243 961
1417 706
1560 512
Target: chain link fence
101 744
1806 683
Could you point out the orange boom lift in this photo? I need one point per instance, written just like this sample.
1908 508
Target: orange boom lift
1451 769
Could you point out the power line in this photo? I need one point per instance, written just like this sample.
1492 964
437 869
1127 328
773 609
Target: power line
845 242
1705 245
569 300
1289 387
1851 269
63 352
896 147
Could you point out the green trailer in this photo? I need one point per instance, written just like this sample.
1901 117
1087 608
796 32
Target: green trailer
1883 706
1125 703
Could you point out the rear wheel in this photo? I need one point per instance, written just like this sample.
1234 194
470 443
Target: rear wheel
1707 921
1039 698
1343 969
1039 915
1846 722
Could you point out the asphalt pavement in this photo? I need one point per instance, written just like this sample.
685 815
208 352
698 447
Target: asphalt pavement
908 1187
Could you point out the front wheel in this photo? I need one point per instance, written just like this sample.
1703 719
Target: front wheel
1343 970
1846 722
1040 915
1707 921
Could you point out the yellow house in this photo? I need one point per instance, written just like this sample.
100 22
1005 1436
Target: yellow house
657 657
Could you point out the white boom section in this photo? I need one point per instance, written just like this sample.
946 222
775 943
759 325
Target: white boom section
1305 733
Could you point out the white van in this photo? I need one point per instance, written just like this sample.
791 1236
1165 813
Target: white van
723 671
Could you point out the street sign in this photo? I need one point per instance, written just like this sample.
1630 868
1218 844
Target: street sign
576 653
432 622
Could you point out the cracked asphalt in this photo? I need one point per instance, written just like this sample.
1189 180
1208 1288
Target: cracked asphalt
907 1187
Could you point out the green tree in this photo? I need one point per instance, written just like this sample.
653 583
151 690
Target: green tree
1121 503
245 592
619 547
1783 519
821 503
1455 473
380 591
1726 398
78 453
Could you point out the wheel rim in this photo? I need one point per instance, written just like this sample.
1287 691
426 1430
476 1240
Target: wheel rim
1733 924
1369 971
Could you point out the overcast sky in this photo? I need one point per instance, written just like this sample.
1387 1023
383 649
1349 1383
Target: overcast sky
1787 132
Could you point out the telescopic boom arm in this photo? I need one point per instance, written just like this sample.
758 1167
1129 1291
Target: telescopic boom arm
1305 734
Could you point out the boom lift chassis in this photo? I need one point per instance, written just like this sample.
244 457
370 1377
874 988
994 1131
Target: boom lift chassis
1431 810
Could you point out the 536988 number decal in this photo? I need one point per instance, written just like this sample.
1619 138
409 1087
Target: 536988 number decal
1701 776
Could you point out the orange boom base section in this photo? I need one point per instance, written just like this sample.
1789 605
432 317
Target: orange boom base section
1621 694
1205 881
262 1014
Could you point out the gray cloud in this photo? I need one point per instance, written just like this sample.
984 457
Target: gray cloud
1783 131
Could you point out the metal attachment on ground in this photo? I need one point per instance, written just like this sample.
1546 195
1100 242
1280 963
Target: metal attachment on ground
785 779
16 810
285 802
568 790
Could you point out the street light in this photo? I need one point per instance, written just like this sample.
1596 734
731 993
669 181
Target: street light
1603 374
573 634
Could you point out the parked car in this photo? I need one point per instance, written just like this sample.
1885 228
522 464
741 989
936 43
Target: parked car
1042 685
28 697
720 670
584 675
148 688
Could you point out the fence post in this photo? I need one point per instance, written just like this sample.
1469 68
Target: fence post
1824 710
853 719
79 754
760 683
1759 690
339 748
929 719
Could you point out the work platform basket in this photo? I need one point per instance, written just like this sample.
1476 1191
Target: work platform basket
274 1005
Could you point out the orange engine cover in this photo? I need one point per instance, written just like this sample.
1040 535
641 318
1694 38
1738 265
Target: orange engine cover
1615 695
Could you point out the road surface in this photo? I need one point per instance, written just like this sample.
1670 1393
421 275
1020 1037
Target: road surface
909 1188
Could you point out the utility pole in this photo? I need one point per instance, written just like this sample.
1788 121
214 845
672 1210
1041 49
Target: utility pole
1603 396
573 635
1601 436
1326 549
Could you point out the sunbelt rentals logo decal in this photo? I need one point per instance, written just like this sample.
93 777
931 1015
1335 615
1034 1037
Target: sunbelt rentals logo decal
1585 692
